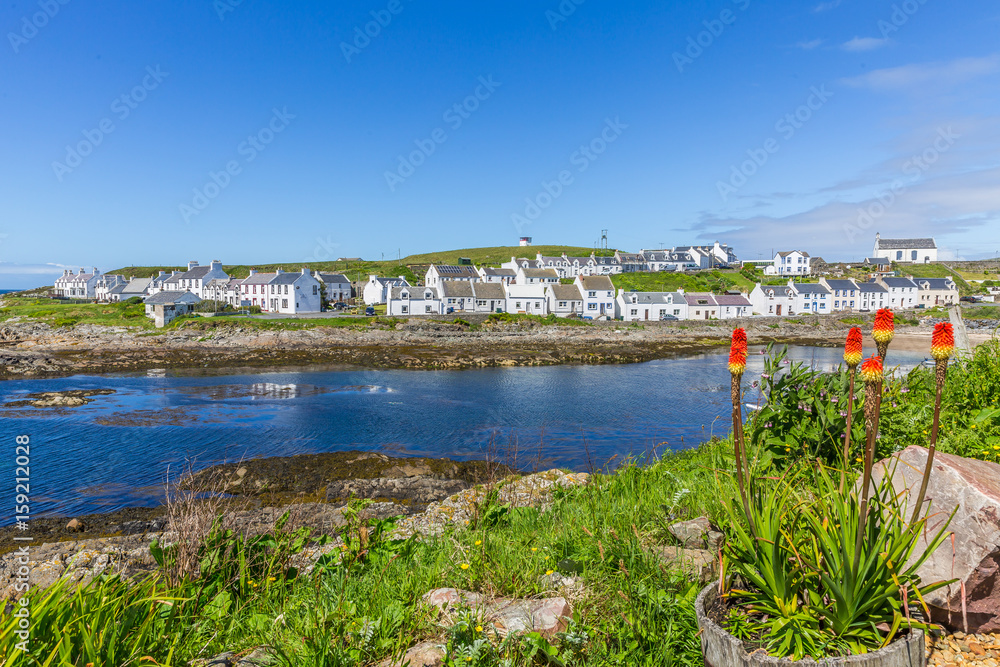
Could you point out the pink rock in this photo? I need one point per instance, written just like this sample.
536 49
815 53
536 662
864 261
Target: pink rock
547 617
974 488
451 598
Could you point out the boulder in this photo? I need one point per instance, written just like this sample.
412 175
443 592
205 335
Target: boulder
691 534
451 598
427 654
697 563
974 488
75 526
547 617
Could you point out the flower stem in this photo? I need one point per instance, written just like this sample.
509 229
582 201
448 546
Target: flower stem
942 372
739 449
847 436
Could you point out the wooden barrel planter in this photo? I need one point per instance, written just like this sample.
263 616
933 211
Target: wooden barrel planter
721 649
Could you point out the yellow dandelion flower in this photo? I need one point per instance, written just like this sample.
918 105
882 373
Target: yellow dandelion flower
534 548
465 566
272 578
479 628
478 542
548 572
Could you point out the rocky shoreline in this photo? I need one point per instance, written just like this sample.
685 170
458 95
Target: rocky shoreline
32 349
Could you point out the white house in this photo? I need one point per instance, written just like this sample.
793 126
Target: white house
845 294
701 306
293 293
558 264
630 262
158 282
336 285
906 251
903 292
490 297
871 297
528 299
106 283
253 289
164 307
598 295
438 273
810 298
536 277
490 275
377 289
564 300
733 306
456 296
223 291
605 266
644 306
406 300
938 292
516 263
80 285
789 263
772 300
195 278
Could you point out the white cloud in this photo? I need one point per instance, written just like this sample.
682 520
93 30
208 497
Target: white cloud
31 269
810 45
922 76
859 44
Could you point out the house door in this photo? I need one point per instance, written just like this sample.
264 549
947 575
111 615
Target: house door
706 314
647 314
778 312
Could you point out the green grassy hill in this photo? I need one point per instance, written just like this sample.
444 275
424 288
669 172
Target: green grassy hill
935 271
360 269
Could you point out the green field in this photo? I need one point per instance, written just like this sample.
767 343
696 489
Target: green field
359 270
705 281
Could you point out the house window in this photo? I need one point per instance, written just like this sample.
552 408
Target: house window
562 304
315 289
517 305
404 309
591 306
591 294
634 311
284 303
427 309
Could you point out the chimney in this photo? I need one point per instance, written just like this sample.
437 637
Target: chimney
253 271
81 271
305 271
278 271
96 272
162 273
192 264
216 264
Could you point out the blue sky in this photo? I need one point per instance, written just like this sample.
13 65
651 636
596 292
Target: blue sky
258 131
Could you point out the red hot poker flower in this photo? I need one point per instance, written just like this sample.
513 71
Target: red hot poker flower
738 352
884 327
943 342
852 349
871 370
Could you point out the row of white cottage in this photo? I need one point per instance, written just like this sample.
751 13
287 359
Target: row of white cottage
277 292
848 295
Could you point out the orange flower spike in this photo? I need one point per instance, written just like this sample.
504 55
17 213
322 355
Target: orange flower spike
852 349
738 352
885 326
943 341
871 370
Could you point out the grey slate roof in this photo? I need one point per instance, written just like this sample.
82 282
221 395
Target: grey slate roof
195 273
286 278
841 284
810 288
899 282
906 244
167 298
654 297
789 252
566 293
597 283
489 291
259 279
489 271
416 293
732 300
454 271
332 278
937 283
879 261
456 288
871 287
540 273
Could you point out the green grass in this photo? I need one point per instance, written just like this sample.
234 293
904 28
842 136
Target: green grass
935 271
59 314
667 281
364 606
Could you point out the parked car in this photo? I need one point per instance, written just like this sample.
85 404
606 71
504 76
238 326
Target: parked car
340 305
369 311
667 317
